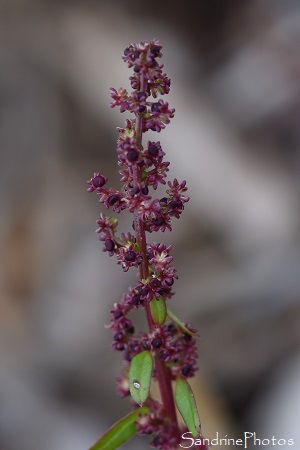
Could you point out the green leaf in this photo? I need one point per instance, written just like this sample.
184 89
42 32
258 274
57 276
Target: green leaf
186 405
140 373
158 310
180 324
120 432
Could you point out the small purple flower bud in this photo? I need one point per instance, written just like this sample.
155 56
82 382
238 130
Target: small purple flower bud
133 345
136 299
150 256
187 337
156 107
142 108
96 182
145 190
118 336
127 50
132 155
152 63
155 49
109 245
134 191
144 292
156 343
136 69
163 200
117 314
186 370
135 55
158 221
153 150
161 291
130 256
112 199
176 204
154 283
99 181
141 95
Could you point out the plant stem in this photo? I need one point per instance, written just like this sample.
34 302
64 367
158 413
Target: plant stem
162 373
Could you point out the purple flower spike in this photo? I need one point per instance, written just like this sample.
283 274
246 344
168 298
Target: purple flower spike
142 167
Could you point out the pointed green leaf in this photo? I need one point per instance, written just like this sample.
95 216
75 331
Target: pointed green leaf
120 432
180 324
140 373
186 405
158 310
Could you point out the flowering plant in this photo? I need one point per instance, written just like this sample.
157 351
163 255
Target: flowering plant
166 352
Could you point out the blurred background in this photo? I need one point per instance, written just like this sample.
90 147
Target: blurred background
236 139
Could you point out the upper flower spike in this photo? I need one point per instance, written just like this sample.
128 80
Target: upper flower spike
143 58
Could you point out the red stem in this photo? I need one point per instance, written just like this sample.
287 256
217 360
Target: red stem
162 372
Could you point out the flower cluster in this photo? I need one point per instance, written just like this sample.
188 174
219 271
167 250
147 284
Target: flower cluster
143 167
176 347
